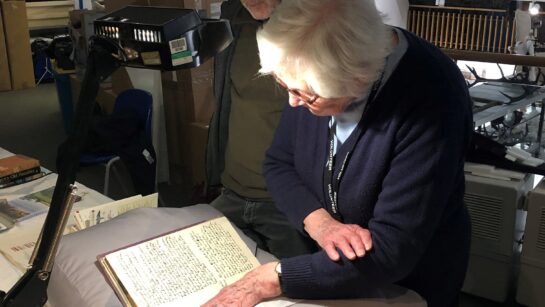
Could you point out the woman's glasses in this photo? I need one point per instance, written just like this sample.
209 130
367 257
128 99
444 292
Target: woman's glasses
301 95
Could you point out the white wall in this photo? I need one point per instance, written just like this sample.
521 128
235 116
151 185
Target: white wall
394 11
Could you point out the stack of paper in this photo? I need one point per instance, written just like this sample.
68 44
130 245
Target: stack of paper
99 214
18 244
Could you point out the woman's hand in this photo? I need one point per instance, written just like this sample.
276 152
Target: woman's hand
256 286
351 239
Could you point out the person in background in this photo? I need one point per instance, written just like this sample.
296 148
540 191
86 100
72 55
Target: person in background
247 113
375 138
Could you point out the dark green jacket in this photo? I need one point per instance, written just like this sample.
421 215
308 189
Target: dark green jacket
219 124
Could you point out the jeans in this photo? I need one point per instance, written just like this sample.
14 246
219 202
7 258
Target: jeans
265 224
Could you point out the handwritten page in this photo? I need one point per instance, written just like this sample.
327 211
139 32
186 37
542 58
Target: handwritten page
17 244
182 268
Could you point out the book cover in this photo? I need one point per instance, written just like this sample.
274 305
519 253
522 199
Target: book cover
6 222
29 205
17 163
19 175
22 180
18 209
186 267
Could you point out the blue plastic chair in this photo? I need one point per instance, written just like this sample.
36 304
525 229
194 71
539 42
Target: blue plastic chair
136 101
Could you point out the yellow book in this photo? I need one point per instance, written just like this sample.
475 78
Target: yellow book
17 166
186 267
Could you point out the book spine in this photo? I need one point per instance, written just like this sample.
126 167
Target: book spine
22 180
18 175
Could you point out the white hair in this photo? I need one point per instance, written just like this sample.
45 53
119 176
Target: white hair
338 47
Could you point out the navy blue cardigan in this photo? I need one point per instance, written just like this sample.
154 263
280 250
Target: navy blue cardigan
404 182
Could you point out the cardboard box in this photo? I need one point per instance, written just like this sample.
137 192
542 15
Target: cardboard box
5 77
106 98
114 5
194 91
188 168
198 136
186 137
105 95
215 8
81 29
121 80
18 44
188 100
48 13
186 4
210 6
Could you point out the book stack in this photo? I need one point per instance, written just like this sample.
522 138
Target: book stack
18 169
88 217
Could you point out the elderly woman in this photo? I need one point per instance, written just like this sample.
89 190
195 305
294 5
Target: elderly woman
376 140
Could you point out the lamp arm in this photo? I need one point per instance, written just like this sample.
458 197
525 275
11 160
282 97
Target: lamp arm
31 289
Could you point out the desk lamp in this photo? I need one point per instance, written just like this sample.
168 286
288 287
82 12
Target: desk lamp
136 36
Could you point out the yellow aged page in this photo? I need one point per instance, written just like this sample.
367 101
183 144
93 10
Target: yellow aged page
183 268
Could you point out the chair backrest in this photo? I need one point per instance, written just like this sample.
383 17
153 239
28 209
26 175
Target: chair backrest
137 101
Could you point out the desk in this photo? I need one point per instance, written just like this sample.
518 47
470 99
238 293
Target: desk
30 228
76 279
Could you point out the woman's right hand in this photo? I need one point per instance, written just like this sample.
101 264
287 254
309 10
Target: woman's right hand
353 240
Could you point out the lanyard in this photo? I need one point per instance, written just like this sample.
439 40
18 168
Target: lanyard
331 182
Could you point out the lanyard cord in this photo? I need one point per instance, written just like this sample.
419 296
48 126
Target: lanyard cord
332 183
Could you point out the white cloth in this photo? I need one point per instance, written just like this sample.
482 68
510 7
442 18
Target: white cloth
394 12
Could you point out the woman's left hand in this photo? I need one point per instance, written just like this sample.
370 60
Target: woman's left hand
353 240
256 286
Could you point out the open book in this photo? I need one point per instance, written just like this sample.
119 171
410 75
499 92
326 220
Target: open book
186 267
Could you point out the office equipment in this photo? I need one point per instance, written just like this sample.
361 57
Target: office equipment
163 38
530 289
497 219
